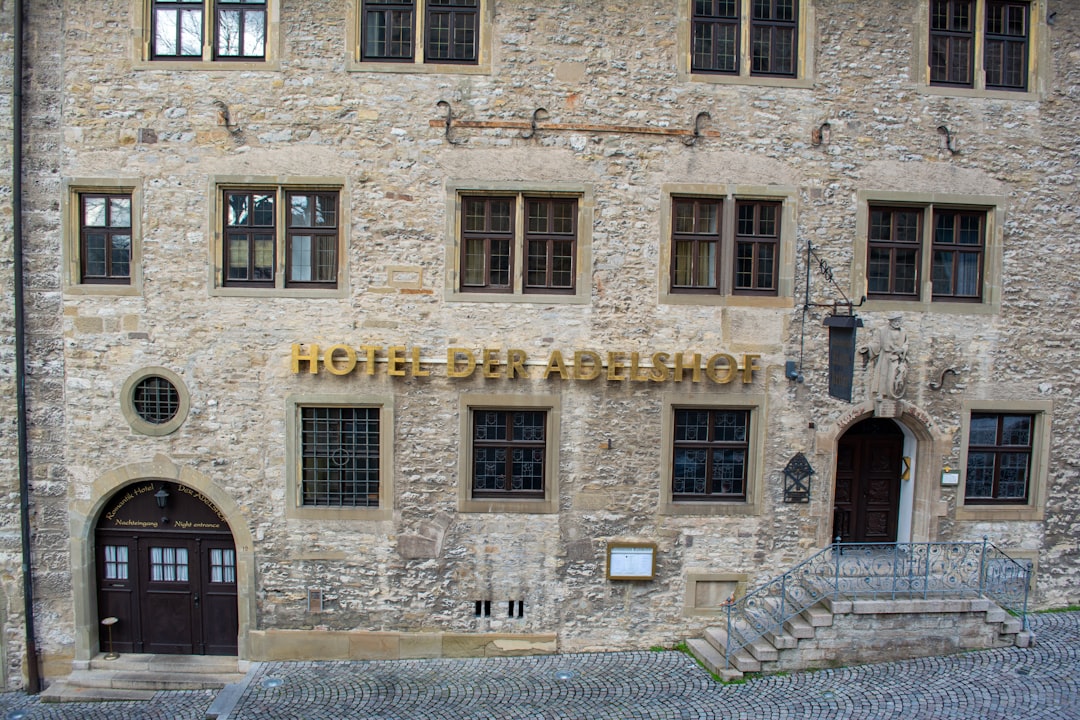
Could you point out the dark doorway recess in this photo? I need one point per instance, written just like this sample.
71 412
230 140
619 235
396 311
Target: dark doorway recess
166 569
866 503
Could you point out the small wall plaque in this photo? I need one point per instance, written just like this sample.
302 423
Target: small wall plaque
950 478
631 561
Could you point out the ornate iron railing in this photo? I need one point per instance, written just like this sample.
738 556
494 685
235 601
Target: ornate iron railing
854 571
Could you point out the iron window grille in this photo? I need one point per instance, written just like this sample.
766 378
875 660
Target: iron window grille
155 400
339 463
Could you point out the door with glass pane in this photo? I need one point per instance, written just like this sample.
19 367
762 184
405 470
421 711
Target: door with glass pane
218 597
117 593
172 621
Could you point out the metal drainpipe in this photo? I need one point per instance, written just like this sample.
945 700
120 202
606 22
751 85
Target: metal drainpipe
32 677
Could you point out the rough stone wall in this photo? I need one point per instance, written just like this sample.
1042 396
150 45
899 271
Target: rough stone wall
585 63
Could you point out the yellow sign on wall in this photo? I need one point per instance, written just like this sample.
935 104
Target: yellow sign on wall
512 363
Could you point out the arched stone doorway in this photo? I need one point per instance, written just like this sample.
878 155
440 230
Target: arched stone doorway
869 465
165 563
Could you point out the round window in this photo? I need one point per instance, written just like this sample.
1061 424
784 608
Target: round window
154 401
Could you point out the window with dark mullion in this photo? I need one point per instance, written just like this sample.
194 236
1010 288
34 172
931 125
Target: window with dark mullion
389 29
487 243
952 42
757 241
451 31
774 36
958 248
695 241
999 458
250 232
894 252
715 36
240 30
105 238
1005 55
550 241
311 238
177 29
508 449
711 448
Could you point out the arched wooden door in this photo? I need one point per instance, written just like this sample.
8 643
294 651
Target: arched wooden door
166 569
866 503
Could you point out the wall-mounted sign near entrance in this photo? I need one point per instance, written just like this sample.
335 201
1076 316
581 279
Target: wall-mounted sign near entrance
631 561
512 363
842 354
160 505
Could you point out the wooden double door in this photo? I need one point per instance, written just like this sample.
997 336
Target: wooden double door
170 593
866 505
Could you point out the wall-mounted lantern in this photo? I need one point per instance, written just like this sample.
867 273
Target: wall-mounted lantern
797 475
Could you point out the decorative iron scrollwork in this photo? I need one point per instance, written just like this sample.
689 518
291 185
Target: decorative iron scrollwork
797 479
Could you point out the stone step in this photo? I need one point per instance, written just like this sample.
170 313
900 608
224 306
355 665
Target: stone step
206 664
1024 639
763 650
717 638
62 692
818 616
1011 626
713 660
745 662
798 627
781 640
837 606
150 680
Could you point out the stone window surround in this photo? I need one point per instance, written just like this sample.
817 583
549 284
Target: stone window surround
71 248
804 64
142 26
1038 56
482 66
1035 507
729 193
994 205
552 404
755 480
582 295
127 406
216 219
293 507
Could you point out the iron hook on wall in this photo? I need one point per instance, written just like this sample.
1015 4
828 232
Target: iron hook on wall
948 139
449 121
941 378
699 120
535 120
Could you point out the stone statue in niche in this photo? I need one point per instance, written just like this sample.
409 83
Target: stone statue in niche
889 352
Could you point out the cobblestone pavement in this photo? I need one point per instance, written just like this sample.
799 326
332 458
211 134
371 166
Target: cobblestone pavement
1040 683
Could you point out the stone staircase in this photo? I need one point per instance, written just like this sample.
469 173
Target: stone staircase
850 632
138 677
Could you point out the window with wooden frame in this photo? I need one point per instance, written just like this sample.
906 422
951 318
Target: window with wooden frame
710 454
999 455
745 37
491 240
280 231
105 238
702 245
208 30
980 44
899 253
509 447
449 31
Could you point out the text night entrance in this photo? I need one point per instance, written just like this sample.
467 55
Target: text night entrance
866 504
166 569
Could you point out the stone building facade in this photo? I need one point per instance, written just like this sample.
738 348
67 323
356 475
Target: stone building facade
387 326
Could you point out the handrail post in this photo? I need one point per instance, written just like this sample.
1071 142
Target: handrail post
1027 587
727 638
926 573
836 559
982 568
895 567
783 595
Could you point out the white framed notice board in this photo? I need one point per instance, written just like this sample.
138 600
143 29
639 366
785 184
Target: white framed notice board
631 561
